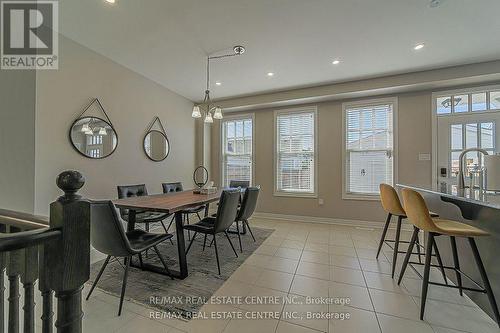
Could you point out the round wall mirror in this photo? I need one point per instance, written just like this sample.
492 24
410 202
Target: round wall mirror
156 145
93 137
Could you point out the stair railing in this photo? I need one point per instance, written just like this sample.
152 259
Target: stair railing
56 252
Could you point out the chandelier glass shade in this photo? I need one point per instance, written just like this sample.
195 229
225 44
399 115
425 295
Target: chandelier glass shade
196 112
218 113
85 128
89 129
208 118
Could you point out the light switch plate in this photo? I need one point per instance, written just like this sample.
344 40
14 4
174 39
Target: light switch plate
321 202
424 157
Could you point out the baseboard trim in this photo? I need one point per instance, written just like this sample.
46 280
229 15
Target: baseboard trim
323 220
329 220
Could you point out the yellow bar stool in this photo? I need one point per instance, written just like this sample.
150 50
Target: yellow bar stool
392 206
419 216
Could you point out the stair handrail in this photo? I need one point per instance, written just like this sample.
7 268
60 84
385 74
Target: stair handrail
23 220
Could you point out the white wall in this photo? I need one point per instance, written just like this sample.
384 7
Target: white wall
131 102
17 139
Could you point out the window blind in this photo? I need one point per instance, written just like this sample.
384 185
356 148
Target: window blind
237 150
295 152
369 148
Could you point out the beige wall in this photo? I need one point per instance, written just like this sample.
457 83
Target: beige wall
414 121
17 139
131 101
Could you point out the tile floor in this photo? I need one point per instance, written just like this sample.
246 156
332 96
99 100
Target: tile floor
302 260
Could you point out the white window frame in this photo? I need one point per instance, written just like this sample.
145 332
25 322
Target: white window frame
395 156
463 91
221 143
464 123
297 194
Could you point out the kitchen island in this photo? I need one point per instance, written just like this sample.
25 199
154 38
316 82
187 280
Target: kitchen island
478 209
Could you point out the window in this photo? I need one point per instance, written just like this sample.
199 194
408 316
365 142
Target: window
463 118
464 101
368 147
95 153
237 149
470 135
94 145
295 154
94 140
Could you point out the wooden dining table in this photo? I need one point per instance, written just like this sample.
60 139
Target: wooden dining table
170 203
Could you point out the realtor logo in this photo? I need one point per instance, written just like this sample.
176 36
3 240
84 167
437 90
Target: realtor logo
29 31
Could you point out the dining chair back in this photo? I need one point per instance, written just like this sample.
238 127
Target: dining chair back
249 203
129 191
172 187
239 183
247 208
227 210
106 230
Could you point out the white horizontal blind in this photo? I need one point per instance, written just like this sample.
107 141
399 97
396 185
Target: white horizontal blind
369 148
295 162
237 150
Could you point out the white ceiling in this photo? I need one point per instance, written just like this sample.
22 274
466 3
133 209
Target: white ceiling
168 40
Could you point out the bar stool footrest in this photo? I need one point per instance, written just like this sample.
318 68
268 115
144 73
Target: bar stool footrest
457 287
481 288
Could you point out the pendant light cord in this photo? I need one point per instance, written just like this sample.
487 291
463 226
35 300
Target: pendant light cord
208 73
207 91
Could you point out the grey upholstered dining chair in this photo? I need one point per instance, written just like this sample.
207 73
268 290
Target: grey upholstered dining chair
108 236
177 187
226 215
127 191
246 210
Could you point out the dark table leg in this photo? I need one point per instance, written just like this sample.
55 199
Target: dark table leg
131 220
181 247
207 208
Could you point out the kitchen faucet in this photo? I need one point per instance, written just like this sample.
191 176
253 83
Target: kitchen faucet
461 180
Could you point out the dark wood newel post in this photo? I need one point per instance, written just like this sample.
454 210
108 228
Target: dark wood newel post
67 260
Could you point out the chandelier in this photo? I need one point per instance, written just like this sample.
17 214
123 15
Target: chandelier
213 111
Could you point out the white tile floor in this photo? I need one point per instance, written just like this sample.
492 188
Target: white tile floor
306 259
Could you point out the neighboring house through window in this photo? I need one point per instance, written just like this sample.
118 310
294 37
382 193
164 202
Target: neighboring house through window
369 155
295 152
237 149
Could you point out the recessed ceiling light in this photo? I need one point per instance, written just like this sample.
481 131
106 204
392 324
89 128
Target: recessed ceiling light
270 74
336 62
218 83
419 46
110 1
